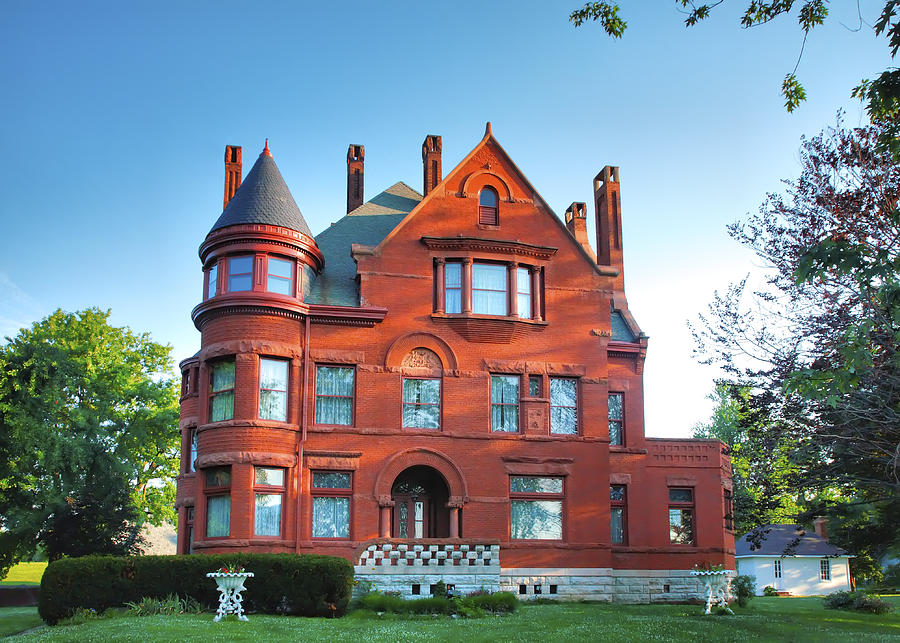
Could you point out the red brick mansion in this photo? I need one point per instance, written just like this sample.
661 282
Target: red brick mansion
438 386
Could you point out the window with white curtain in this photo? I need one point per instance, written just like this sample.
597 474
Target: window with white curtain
334 395
523 293
505 403
563 405
536 507
453 287
421 403
331 492
489 289
218 501
221 391
269 496
273 384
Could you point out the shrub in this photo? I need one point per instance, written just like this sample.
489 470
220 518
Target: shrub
171 604
859 601
432 605
440 589
305 585
379 602
499 602
744 588
892 576
768 590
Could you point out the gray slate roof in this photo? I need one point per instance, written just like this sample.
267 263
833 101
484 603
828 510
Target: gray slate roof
779 540
263 198
367 225
620 330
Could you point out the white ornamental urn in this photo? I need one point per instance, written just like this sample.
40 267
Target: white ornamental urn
230 585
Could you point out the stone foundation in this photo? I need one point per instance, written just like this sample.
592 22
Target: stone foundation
603 584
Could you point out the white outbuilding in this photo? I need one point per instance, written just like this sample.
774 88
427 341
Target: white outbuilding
792 559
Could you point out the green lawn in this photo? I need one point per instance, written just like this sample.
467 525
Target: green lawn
25 574
766 619
18 619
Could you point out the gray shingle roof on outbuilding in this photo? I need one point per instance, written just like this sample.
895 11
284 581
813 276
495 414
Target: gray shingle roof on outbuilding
367 225
263 198
785 540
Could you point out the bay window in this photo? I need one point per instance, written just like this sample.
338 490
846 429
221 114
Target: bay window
536 507
221 391
523 293
218 501
421 403
240 273
334 395
505 403
681 516
281 276
453 288
192 454
269 499
617 520
331 491
273 384
489 289
563 405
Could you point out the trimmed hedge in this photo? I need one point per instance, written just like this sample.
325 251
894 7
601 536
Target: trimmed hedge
306 584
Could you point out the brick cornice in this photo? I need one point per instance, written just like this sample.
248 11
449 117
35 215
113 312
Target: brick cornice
499 246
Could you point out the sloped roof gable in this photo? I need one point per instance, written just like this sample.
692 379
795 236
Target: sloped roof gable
785 540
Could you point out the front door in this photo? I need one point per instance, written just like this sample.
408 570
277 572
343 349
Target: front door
411 518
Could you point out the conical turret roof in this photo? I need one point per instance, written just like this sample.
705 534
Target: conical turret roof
263 198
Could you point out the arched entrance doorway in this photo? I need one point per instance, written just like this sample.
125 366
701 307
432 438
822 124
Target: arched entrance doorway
420 496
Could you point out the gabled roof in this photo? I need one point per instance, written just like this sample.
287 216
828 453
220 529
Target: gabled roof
784 540
263 198
367 225
620 330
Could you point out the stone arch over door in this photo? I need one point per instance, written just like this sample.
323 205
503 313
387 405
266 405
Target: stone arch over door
403 460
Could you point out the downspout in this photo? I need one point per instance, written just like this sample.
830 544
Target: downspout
303 419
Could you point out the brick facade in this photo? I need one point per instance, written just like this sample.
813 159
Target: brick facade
557 322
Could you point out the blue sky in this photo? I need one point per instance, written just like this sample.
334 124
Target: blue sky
114 117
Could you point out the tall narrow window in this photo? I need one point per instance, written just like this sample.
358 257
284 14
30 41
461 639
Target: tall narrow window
563 406
777 568
422 403
825 569
281 276
190 529
331 492
334 395
505 403
489 289
617 521
536 507
616 419
192 455
221 391
535 385
487 207
218 501
269 492
240 273
212 277
453 288
273 383
681 516
523 293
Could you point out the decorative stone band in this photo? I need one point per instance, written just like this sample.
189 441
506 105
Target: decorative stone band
455 555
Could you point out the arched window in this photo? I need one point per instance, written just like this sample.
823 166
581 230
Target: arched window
487 207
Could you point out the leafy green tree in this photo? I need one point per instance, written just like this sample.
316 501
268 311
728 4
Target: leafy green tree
882 95
88 436
818 344
765 475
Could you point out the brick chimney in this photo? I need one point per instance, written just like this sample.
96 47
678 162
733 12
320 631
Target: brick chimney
609 221
356 154
576 222
431 163
821 527
232 171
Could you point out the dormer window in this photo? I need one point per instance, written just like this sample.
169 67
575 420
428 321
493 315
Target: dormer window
240 273
487 207
281 276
